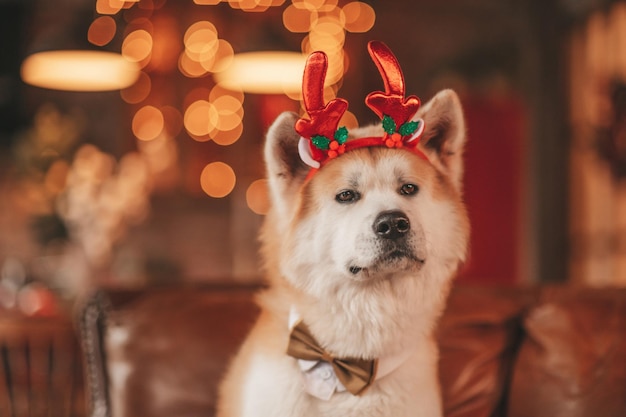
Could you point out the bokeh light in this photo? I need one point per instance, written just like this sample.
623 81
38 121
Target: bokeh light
200 39
200 118
349 120
223 57
257 197
109 6
102 30
189 67
227 137
217 179
360 17
137 46
139 91
148 123
298 20
230 112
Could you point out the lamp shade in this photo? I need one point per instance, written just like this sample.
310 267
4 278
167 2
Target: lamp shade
79 70
264 72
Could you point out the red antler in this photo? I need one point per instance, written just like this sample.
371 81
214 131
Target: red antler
390 103
323 119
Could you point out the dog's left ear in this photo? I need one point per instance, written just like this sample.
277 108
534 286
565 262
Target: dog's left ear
444 134
285 170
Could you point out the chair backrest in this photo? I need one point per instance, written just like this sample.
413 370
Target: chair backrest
162 352
40 368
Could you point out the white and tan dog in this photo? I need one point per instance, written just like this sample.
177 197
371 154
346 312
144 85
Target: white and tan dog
362 249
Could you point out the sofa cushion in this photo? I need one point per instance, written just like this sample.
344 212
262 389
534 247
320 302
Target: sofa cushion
478 337
166 350
573 361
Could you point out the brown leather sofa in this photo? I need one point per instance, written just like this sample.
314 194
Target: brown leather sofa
550 351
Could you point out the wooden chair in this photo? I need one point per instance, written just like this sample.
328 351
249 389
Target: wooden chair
40 367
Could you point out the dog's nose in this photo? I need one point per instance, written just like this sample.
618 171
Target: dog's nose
391 224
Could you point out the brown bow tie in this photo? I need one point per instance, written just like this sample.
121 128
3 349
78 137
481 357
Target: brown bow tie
354 374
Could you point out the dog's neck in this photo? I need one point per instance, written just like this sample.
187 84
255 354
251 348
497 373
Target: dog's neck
371 322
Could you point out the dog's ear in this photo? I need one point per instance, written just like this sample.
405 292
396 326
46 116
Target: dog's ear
444 134
285 169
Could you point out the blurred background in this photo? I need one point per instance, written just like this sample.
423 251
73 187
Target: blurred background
142 166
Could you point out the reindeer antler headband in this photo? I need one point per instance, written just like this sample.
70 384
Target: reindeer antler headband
321 140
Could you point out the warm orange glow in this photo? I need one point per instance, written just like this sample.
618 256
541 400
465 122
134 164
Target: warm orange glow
360 17
173 120
198 93
217 179
102 30
165 44
109 6
201 40
200 118
139 91
327 35
264 72
190 68
308 4
298 20
79 70
243 4
148 123
349 120
137 46
223 57
227 137
207 2
218 91
257 197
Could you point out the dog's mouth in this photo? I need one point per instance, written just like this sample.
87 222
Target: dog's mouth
396 259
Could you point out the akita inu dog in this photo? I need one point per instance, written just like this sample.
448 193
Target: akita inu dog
366 231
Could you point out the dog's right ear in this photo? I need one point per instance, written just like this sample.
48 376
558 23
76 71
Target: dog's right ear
285 170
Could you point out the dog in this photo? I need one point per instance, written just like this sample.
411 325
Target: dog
361 244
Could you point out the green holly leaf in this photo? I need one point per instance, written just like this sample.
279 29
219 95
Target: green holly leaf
408 128
341 135
389 125
320 142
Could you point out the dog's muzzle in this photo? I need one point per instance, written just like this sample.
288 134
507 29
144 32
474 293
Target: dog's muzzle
392 225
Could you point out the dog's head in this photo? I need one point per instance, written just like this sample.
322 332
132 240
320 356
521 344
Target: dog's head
373 214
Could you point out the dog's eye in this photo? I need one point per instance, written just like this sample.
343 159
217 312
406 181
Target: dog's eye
347 196
409 189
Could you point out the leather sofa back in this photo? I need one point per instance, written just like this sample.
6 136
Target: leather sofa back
504 351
